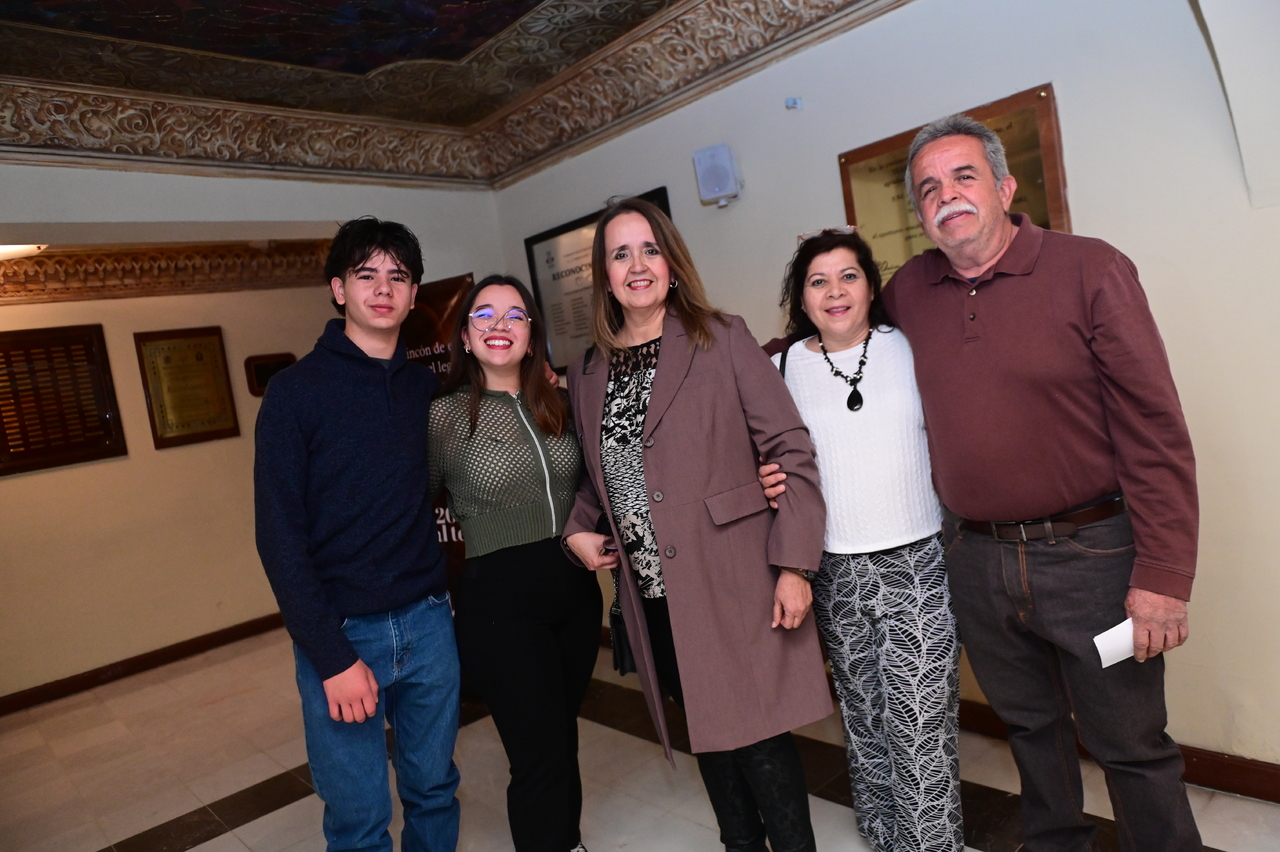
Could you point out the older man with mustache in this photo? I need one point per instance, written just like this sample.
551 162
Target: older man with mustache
1062 458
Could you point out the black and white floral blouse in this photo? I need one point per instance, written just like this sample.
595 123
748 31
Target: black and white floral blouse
626 402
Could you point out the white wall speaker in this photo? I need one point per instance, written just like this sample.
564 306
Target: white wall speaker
718 178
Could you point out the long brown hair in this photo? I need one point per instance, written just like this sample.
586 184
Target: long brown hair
549 406
688 299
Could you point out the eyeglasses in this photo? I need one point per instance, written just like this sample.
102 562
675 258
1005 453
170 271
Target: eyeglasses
486 319
844 230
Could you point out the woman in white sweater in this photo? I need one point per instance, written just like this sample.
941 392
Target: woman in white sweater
880 598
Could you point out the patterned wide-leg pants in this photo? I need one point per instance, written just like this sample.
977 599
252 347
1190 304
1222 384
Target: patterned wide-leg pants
891 636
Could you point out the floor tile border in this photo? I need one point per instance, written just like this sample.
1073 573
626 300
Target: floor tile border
992 817
45 692
225 815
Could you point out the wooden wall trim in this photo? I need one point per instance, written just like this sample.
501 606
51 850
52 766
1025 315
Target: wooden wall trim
1215 770
84 681
79 274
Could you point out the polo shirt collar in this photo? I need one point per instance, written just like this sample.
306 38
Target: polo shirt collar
1019 259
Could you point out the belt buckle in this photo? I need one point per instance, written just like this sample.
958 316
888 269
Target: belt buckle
995 530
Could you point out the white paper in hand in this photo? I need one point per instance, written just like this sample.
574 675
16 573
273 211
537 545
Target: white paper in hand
1115 644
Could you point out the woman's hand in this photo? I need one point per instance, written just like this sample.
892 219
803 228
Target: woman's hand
792 598
591 550
771 479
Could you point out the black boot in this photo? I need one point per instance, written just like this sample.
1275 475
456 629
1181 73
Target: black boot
736 813
773 769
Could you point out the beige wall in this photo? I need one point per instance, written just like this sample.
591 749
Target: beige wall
105 560
1153 167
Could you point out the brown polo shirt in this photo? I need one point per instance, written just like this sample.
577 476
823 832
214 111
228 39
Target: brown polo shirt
1045 385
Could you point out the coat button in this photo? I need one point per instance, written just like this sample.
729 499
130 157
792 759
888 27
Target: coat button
973 316
670 552
973 292
657 496
648 442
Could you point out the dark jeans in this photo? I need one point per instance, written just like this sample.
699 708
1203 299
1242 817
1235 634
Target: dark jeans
528 635
755 790
1028 612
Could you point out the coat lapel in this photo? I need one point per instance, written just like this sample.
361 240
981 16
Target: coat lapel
591 391
674 359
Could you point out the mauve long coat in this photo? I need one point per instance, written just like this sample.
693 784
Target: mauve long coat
711 411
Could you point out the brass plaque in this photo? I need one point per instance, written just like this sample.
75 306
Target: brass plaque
188 387
876 198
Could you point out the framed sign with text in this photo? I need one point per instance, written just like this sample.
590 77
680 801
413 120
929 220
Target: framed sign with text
875 198
426 333
560 276
187 385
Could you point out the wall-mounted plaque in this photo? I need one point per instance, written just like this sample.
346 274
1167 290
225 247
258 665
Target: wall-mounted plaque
188 388
427 329
57 401
258 369
560 274
426 333
875 198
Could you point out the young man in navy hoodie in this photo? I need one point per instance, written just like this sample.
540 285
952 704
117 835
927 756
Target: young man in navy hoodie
347 536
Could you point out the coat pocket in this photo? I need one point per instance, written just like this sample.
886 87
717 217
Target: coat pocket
736 503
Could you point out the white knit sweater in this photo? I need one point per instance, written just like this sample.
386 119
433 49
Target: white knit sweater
874 462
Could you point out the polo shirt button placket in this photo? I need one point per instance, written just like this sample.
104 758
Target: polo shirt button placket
971 329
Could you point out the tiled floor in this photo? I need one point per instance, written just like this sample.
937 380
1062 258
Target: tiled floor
201 748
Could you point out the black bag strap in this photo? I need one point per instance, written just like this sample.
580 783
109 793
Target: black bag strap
782 360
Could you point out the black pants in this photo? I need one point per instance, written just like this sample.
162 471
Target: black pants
528 633
755 790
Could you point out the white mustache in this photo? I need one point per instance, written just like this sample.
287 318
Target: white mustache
958 207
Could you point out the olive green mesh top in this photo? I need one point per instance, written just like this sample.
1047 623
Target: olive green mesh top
509 483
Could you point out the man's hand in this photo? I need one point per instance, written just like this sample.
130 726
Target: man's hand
353 694
792 598
589 547
1159 622
552 376
771 479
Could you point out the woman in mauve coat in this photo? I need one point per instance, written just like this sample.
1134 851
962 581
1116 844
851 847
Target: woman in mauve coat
673 405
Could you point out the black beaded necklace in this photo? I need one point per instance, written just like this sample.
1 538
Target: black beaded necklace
855 396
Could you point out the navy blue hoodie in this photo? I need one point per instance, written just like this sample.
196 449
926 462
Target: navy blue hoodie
344 521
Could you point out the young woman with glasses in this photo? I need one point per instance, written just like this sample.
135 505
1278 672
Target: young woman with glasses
528 619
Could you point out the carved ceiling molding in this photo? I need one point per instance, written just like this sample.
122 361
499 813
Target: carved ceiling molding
540 45
680 54
67 276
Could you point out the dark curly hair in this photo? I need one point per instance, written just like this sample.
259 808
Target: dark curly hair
799 326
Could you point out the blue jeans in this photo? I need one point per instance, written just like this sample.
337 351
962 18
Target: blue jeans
1028 612
414 659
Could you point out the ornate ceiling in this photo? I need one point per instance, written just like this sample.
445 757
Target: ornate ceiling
474 91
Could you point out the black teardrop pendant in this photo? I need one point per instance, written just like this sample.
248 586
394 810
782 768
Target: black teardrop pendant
855 400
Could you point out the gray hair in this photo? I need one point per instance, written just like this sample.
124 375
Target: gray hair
957 125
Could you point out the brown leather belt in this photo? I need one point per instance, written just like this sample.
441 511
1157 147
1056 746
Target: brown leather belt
1065 524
